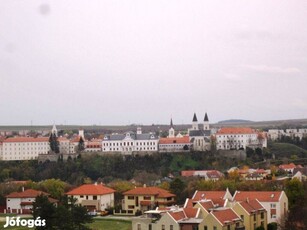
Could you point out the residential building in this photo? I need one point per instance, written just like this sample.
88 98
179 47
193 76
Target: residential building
200 137
146 198
252 213
213 175
275 202
169 219
93 145
22 202
289 167
222 219
130 142
239 138
93 196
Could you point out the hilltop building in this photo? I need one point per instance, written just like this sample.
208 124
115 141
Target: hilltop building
239 138
130 142
200 138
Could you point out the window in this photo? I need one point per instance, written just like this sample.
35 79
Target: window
273 205
147 198
94 197
228 227
262 215
130 197
254 217
214 228
205 227
163 227
139 226
171 227
130 206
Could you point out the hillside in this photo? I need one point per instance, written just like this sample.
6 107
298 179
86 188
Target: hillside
285 150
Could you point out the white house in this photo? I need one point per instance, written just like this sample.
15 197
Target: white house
22 202
93 196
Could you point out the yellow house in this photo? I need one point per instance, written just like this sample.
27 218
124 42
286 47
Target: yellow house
252 213
146 198
275 202
222 219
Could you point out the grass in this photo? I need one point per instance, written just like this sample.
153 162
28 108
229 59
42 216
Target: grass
282 150
98 224
108 224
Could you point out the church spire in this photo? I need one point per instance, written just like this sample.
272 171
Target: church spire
194 117
172 126
206 117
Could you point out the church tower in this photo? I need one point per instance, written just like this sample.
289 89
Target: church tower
54 130
194 122
171 131
206 122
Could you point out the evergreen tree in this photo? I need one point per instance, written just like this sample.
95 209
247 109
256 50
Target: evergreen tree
81 146
54 143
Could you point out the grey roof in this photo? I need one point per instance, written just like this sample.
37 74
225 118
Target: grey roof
143 136
194 117
197 133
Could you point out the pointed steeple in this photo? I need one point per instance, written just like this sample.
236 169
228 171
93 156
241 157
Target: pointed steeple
206 117
172 126
194 117
54 130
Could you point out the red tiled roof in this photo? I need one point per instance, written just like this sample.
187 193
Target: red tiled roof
262 196
175 140
207 205
91 189
287 166
251 206
191 212
226 215
26 139
178 215
161 193
212 195
236 130
29 193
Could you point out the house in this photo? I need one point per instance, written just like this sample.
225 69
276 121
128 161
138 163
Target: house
239 138
275 202
252 213
174 218
146 198
22 202
93 196
289 167
206 174
222 219
219 198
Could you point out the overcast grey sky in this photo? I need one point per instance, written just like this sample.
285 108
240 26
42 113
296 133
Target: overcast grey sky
138 61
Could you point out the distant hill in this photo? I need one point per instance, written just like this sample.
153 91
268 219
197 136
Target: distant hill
234 121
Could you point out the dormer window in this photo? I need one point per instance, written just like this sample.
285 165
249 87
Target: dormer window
128 135
152 137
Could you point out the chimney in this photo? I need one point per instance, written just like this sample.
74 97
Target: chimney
144 186
96 183
23 188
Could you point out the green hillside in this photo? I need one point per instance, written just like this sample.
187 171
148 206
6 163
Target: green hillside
281 150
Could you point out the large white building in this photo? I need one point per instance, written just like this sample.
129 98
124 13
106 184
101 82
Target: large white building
130 142
239 138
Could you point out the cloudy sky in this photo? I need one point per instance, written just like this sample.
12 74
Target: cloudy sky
138 61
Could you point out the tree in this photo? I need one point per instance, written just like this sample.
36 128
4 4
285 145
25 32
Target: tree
81 145
176 187
54 143
295 192
45 210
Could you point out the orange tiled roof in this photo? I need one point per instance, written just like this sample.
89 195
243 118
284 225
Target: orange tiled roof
210 195
190 212
26 139
262 196
161 193
287 166
236 130
225 216
251 206
207 205
178 215
175 140
91 189
29 193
